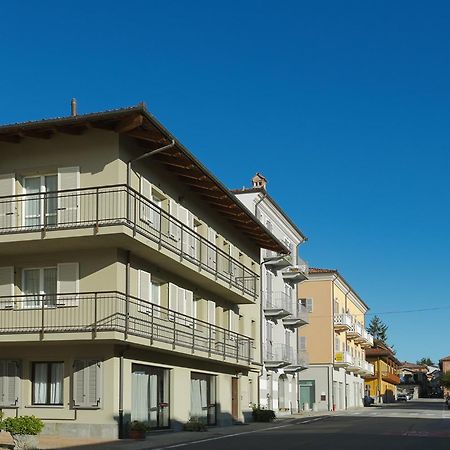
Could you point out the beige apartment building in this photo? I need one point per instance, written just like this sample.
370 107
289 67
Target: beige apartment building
129 279
336 338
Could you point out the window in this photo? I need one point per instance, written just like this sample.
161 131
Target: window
37 208
87 384
148 292
48 378
308 304
9 383
203 398
39 285
302 343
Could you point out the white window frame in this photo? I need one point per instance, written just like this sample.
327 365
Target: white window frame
41 286
42 190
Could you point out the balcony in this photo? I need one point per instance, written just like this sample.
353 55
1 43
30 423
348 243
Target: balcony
298 318
113 316
390 378
367 340
343 359
342 322
295 274
355 332
276 305
124 218
369 369
277 356
277 261
300 362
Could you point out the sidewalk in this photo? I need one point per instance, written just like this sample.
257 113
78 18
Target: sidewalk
158 439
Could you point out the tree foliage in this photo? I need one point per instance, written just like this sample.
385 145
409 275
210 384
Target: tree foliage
445 380
425 361
378 329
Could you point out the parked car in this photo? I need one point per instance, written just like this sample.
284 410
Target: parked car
367 400
409 396
402 397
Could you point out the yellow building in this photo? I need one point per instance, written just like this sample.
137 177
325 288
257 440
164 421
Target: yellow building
382 385
336 339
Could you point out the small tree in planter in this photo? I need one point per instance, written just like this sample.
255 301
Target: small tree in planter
23 430
262 415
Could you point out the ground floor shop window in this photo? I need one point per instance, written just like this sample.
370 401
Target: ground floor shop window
48 379
203 397
150 395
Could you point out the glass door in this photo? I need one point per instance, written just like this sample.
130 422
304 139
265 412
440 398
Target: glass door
40 209
39 285
150 396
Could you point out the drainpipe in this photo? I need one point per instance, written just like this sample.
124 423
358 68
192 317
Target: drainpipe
121 359
261 315
332 407
145 155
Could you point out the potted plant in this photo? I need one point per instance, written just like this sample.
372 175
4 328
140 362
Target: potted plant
262 415
23 430
137 430
195 424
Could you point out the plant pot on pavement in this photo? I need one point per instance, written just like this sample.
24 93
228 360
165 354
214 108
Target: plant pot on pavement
25 441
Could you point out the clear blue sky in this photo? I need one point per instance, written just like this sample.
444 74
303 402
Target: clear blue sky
343 106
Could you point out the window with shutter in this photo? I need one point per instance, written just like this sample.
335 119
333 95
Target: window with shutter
87 388
9 383
302 343
6 287
7 207
68 283
212 251
174 227
68 202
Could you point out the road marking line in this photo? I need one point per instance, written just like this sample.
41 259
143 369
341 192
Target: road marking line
184 444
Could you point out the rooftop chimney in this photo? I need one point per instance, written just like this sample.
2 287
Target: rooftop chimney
259 181
73 107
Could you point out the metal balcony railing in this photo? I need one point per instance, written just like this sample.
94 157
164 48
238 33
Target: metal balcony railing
278 353
277 300
101 312
300 361
106 206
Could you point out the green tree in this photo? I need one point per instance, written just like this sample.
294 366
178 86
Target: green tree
425 362
445 380
378 329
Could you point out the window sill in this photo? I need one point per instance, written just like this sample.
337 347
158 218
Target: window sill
45 406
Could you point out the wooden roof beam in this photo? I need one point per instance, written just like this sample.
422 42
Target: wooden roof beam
10 138
129 124
46 134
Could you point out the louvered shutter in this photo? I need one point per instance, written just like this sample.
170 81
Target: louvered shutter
302 343
9 383
212 253
7 205
211 316
68 283
146 192
173 300
191 240
181 307
183 216
87 388
189 306
309 304
174 227
68 202
6 287
145 284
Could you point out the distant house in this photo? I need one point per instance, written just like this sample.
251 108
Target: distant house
382 384
413 379
444 365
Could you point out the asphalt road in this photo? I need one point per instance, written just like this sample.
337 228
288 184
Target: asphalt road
423 424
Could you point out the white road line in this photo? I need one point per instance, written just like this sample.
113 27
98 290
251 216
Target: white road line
185 444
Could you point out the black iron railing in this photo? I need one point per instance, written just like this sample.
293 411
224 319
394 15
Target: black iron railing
121 205
101 312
